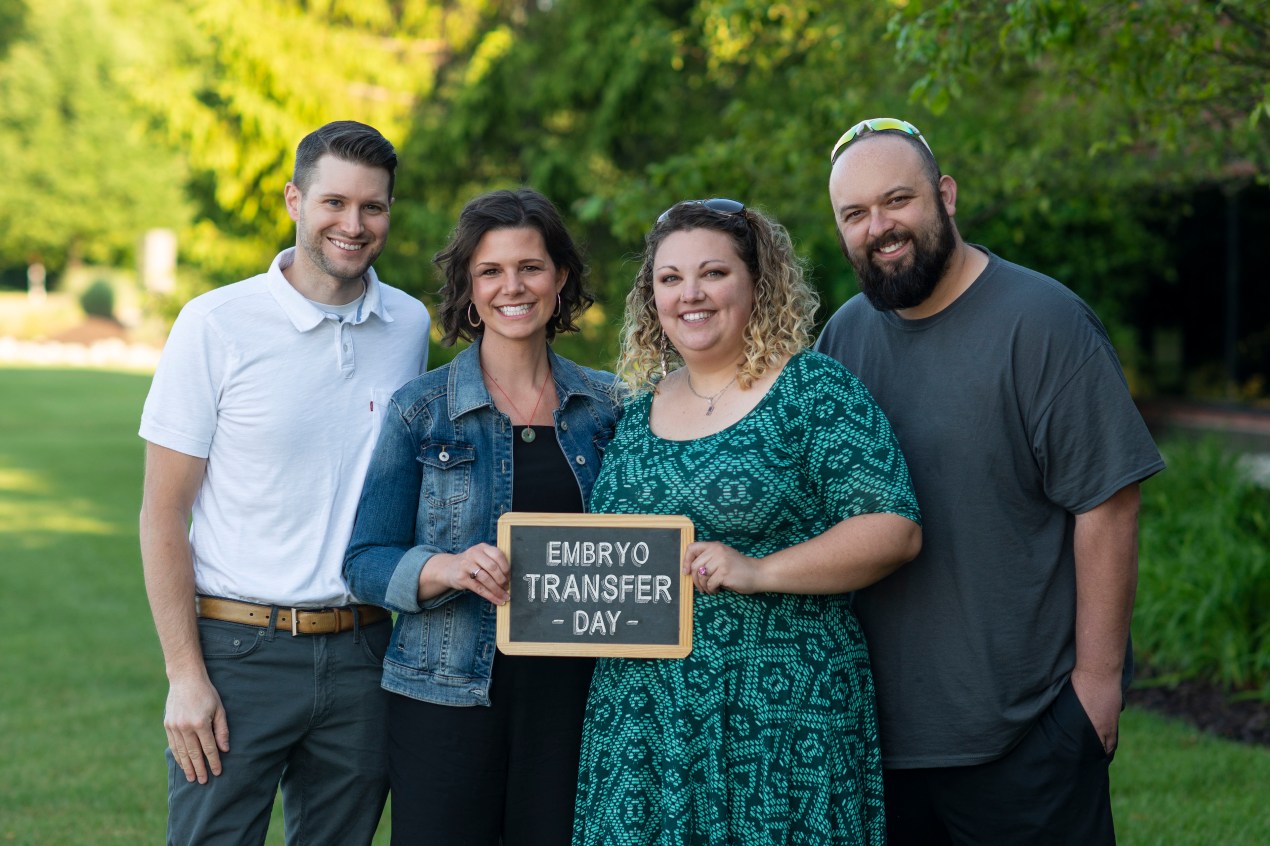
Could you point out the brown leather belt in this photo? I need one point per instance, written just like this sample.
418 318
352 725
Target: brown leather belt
301 621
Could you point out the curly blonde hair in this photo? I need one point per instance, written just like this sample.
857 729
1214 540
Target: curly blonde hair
784 303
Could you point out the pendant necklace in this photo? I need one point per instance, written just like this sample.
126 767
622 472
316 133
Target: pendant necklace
710 399
527 434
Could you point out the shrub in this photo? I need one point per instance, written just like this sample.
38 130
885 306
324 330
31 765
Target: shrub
1203 608
98 300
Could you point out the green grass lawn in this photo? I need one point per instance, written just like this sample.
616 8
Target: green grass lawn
81 676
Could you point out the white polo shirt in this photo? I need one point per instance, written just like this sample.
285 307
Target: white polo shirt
285 403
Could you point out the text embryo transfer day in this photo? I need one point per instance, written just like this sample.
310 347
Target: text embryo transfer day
607 587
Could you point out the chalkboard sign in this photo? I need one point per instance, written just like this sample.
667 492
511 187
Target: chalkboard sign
596 584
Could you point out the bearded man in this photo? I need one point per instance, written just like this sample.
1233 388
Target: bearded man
1001 653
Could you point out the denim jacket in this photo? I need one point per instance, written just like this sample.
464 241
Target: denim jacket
440 477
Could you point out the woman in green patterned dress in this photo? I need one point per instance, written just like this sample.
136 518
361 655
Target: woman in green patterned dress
766 733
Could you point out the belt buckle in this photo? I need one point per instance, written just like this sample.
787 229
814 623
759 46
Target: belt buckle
295 622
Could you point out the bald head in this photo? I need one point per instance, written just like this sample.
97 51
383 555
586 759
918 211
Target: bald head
894 216
896 141
895 154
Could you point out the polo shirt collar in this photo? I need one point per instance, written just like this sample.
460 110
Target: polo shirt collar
305 316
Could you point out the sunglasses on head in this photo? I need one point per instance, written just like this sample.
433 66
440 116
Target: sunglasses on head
722 205
876 125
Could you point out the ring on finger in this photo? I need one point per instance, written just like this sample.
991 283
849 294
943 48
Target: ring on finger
701 571
474 574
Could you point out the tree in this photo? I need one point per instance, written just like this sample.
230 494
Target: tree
83 179
619 110
12 19
1190 80
237 83
1172 95
616 111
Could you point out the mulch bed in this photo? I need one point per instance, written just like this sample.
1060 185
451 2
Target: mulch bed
1208 708
92 330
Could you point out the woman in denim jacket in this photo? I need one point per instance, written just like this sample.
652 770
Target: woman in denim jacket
507 425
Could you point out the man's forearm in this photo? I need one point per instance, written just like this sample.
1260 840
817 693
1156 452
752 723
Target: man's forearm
169 578
1106 549
172 481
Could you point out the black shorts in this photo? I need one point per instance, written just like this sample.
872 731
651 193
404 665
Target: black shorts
1052 788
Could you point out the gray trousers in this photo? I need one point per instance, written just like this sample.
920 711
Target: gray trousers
306 713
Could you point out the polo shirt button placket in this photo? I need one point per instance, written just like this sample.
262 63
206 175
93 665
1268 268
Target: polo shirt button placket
347 358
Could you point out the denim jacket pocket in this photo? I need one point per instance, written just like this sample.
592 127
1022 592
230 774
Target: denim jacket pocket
443 642
447 473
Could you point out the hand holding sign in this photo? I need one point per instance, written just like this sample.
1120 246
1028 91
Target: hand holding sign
481 569
714 566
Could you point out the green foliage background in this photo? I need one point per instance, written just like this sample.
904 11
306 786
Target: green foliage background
1203 607
1071 125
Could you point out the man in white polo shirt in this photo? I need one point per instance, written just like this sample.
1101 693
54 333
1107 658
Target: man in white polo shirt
260 424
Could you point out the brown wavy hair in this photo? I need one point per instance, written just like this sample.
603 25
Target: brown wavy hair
523 208
784 313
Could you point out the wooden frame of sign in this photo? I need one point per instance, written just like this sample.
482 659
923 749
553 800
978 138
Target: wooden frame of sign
603 585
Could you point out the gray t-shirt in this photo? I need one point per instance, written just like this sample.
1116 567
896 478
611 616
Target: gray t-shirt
1014 416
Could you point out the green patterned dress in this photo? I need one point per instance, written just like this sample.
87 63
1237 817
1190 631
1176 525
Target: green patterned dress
766 733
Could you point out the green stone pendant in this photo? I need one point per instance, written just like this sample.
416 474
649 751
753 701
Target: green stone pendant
528 434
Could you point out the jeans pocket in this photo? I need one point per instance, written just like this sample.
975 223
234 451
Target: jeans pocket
374 639
220 640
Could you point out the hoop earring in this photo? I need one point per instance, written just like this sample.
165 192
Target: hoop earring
475 324
556 313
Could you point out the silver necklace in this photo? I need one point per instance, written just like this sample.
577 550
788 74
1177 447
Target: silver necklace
712 399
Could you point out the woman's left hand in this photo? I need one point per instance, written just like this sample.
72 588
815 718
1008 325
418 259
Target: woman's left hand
715 566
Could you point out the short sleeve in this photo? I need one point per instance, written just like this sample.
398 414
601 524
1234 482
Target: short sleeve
1092 441
180 410
854 462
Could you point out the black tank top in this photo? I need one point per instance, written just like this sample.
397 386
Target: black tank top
541 477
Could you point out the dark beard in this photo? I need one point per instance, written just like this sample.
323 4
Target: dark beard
905 287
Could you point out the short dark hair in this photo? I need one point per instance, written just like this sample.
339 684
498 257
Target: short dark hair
505 209
347 140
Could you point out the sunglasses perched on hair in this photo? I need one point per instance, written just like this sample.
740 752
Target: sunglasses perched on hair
722 205
876 125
